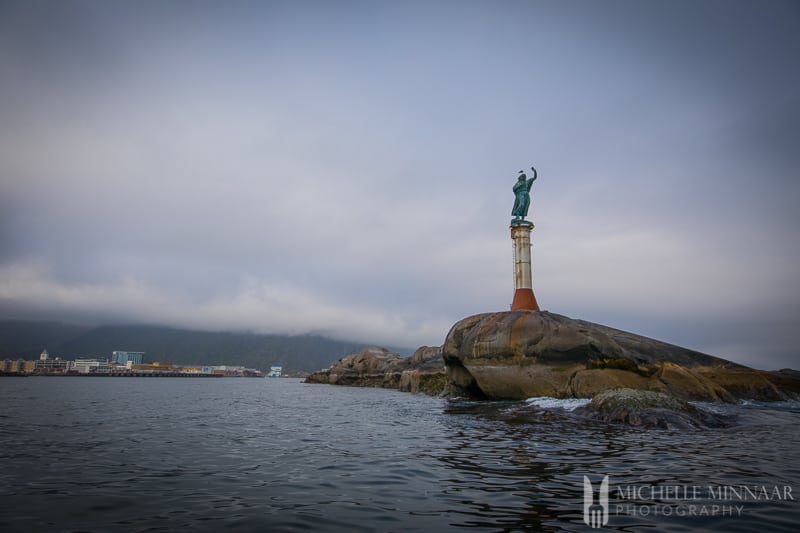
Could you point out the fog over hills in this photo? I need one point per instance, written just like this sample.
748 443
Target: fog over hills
27 339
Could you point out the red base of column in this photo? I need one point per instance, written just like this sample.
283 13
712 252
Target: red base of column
524 300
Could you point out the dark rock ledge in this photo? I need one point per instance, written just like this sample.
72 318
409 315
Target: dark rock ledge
378 367
648 409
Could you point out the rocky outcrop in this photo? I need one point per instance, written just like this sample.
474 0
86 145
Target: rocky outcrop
424 372
521 354
648 409
378 367
370 367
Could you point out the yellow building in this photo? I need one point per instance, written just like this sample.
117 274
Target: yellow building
155 367
12 366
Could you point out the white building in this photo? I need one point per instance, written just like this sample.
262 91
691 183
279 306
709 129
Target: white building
86 366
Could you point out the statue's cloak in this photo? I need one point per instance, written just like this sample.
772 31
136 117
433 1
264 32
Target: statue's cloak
523 198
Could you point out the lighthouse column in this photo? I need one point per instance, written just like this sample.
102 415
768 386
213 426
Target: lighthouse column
524 298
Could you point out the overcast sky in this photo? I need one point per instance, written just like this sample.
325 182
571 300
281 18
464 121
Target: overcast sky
345 168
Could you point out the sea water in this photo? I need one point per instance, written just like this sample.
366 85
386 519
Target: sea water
143 454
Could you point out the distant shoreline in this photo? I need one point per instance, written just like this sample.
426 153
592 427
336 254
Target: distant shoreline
123 375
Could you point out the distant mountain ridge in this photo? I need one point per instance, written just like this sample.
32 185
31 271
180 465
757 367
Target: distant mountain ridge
26 339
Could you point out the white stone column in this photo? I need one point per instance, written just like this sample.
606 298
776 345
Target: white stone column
524 299
522 256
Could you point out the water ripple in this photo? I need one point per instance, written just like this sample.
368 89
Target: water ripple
279 455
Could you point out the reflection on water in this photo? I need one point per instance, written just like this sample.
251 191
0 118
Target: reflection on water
280 455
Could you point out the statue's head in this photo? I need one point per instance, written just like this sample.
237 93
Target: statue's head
521 176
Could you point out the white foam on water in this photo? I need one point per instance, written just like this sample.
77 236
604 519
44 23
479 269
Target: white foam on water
713 407
567 404
787 404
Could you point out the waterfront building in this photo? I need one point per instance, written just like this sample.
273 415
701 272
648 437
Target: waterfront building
154 367
52 366
275 371
12 366
122 358
236 371
44 355
91 366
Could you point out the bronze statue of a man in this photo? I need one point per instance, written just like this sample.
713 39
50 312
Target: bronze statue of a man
522 190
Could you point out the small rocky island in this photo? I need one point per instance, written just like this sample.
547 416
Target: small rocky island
515 355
